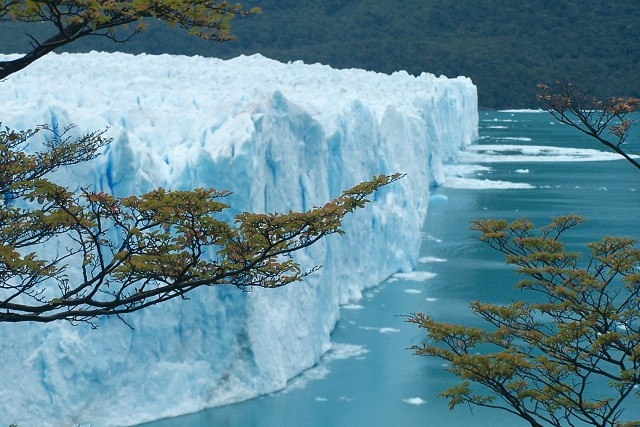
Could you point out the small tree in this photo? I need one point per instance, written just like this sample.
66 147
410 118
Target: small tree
571 358
605 120
123 254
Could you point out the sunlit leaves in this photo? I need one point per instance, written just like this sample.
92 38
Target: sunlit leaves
569 356
139 250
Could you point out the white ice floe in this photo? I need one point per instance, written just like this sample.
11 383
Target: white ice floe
428 259
484 184
507 153
415 276
415 401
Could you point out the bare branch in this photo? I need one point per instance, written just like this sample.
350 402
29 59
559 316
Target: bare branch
592 116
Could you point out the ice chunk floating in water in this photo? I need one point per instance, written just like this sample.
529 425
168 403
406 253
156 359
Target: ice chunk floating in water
488 153
415 401
280 136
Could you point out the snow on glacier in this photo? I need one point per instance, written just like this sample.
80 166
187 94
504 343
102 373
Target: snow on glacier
281 137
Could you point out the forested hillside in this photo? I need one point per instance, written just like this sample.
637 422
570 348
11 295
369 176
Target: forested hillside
505 46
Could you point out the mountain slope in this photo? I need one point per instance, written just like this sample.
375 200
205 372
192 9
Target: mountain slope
506 47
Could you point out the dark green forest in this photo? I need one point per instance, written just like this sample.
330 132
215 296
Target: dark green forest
506 47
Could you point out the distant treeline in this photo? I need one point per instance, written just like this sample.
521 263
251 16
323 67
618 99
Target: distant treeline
505 46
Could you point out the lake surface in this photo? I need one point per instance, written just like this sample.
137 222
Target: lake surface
371 378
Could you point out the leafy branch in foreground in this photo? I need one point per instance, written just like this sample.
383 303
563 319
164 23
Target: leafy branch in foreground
572 357
135 251
77 255
606 120
71 20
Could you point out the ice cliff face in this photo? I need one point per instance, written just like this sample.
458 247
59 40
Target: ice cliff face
281 137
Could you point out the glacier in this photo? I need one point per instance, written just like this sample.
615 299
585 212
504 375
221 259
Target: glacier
280 137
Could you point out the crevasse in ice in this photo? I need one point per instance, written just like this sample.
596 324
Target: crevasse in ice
281 137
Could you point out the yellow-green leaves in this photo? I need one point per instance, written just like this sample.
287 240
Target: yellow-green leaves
571 354
140 250
71 20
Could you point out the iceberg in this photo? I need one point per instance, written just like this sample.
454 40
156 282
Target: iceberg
280 137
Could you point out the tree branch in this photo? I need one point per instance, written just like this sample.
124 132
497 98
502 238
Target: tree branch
590 115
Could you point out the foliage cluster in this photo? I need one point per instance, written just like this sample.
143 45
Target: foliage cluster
572 357
135 251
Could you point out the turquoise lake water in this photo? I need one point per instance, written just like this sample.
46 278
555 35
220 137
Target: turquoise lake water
373 379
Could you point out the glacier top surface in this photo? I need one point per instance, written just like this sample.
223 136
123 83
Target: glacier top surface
213 86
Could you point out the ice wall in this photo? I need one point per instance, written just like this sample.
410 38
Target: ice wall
280 136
